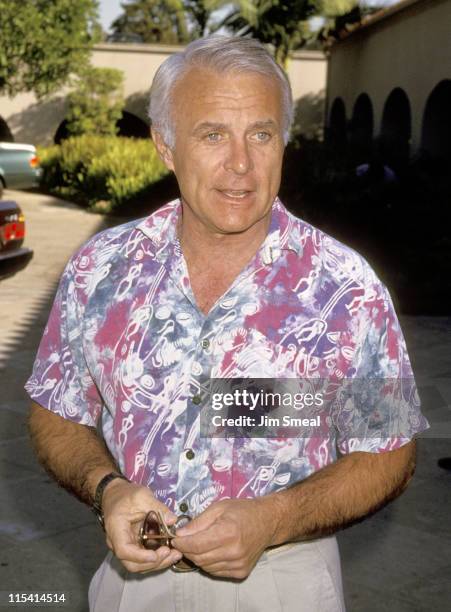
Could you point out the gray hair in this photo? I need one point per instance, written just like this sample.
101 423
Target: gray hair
221 54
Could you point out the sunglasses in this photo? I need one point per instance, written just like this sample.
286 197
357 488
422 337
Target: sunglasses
155 533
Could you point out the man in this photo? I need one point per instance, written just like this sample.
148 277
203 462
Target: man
224 283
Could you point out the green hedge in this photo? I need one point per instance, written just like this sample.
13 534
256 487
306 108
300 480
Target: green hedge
100 172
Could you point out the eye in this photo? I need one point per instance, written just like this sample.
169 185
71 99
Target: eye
262 136
213 137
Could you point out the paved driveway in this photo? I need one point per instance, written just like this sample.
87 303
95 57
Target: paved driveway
397 561
54 229
48 541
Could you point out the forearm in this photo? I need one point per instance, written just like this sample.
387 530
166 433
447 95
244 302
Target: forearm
340 494
78 459
73 454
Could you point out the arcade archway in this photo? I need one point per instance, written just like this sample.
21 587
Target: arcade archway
396 129
361 128
337 123
436 132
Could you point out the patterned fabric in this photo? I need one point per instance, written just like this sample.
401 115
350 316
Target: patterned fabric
125 342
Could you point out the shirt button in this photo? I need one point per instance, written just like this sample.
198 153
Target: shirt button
205 343
189 454
183 507
196 399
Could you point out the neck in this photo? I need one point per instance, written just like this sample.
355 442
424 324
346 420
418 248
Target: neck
199 242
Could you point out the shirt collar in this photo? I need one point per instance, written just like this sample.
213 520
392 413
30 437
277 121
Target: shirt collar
283 234
161 229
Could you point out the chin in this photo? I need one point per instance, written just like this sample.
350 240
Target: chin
232 228
234 225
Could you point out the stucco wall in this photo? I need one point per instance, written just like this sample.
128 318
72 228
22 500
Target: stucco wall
37 123
410 49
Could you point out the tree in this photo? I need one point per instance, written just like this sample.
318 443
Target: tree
43 42
164 21
335 26
284 24
154 21
200 14
97 102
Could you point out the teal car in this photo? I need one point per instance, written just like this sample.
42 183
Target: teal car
19 166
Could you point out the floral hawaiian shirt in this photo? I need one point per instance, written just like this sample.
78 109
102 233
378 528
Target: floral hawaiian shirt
126 343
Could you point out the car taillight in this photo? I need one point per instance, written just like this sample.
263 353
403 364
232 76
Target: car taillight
34 161
13 231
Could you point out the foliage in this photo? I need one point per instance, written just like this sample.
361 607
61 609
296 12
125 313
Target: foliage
336 25
96 104
200 15
284 24
153 21
42 42
102 173
164 21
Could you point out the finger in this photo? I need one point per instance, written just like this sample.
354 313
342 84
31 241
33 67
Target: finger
145 568
127 549
157 557
200 523
199 543
218 555
170 559
123 538
124 535
135 554
211 538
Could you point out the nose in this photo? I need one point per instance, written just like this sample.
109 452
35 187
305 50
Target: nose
238 159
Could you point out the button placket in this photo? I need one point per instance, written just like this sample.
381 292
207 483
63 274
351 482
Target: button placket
190 454
189 465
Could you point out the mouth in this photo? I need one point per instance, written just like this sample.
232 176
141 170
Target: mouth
235 194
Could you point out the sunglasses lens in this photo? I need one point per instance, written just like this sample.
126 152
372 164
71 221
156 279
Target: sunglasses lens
150 534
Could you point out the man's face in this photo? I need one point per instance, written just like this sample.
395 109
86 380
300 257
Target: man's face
229 147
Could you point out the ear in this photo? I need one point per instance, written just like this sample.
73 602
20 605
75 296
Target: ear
163 149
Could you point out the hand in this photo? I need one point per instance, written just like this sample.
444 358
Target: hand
228 538
125 506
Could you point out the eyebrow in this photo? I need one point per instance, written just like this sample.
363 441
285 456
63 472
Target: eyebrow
211 125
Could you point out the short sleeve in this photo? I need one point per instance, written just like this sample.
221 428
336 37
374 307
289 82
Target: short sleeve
378 406
60 380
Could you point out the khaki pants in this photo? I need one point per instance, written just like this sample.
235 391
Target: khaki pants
304 577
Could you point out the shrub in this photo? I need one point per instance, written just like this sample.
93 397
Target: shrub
96 104
100 172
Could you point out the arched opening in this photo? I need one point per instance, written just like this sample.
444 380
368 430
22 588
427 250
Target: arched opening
132 126
128 125
5 133
337 123
61 133
361 132
436 133
396 129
